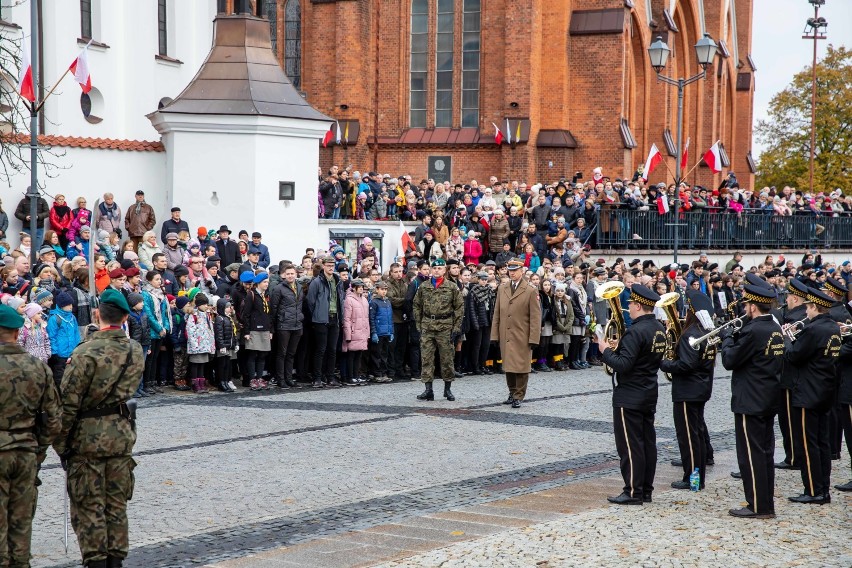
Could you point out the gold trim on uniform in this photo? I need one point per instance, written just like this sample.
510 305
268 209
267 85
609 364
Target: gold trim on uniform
819 301
833 289
641 300
749 297
796 292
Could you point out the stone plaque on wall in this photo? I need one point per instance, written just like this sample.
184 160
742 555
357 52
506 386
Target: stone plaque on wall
440 168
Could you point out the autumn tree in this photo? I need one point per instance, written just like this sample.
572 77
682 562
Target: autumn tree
786 132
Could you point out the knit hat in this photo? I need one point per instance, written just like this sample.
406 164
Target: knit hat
130 255
15 302
63 299
202 231
85 229
32 309
133 299
201 300
181 270
191 294
42 295
181 302
103 235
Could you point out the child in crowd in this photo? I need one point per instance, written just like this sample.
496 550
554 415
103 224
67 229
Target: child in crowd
33 336
181 360
472 248
104 246
381 332
563 319
200 340
64 335
139 330
356 332
226 333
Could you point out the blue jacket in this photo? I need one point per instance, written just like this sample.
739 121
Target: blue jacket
381 317
535 261
72 251
319 296
264 253
178 334
63 332
150 311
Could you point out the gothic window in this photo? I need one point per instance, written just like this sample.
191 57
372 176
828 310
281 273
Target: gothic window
271 7
444 64
293 42
419 67
470 64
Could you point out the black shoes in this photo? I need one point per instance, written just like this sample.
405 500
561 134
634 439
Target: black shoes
736 475
677 463
746 513
783 465
351 382
317 385
448 394
647 498
427 394
510 400
625 499
334 383
845 487
811 499
114 562
516 403
680 485
457 374
292 384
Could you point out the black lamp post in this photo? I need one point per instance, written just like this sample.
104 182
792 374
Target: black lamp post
705 52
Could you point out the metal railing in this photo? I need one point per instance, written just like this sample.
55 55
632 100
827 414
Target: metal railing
720 230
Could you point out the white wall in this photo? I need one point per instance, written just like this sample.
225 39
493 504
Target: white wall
131 81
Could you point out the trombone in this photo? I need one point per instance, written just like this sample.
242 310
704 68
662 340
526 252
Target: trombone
712 338
791 330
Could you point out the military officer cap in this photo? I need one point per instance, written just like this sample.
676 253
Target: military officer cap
9 318
835 287
796 288
514 264
699 301
756 280
759 294
116 298
643 295
439 262
820 298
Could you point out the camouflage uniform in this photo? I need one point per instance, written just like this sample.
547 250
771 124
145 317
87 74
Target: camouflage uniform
437 314
100 466
26 391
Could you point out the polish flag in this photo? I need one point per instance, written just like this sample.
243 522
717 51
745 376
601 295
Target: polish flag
654 158
25 78
405 242
713 159
80 69
683 160
663 204
498 136
327 138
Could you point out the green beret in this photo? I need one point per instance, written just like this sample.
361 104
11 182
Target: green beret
9 318
116 298
439 262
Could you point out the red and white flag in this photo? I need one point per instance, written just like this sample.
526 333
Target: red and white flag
683 159
406 243
328 137
713 159
80 69
25 77
663 204
654 158
498 136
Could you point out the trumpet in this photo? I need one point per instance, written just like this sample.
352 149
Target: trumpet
845 329
791 330
711 337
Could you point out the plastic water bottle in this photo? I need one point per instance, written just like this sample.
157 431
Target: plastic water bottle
695 480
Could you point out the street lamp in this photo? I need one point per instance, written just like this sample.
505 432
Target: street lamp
658 52
814 29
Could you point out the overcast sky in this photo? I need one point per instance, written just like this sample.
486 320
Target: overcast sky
778 50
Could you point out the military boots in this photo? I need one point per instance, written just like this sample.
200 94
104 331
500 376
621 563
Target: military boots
427 394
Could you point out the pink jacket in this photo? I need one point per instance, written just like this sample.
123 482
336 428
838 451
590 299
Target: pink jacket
73 231
356 322
472 251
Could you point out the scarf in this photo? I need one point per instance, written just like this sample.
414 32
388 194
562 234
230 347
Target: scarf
110 213
139 205
437 281
482 294
62 210
159 298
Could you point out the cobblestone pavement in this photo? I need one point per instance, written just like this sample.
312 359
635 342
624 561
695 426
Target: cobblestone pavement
234 480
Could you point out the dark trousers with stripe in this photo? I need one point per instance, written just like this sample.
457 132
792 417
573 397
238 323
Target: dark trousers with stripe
755 437
846 420
785 424
636 442
691 437
811 439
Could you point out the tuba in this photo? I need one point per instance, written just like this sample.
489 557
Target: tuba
674 329
615 327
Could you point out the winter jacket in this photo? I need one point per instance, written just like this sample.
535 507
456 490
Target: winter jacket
356 322
263 261
178 333
60 222
172 226
73 251
146 254
199 334
381 317
82 219
480 306
319 296
255 313
109 218
175 256
499 230
286 307
138 223
472 251
63 332
23 210
139 328
150 307
4 223
225 329
535 261
503 258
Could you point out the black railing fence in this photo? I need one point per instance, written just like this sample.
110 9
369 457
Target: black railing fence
729 230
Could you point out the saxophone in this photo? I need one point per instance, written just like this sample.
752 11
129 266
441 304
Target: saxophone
615 327
674 329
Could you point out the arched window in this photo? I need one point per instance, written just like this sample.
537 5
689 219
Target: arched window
271 8
293 42
470 63
419 66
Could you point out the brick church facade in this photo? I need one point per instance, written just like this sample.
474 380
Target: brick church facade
569 82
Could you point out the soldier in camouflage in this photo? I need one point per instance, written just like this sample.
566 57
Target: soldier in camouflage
438 311
29 421
98 433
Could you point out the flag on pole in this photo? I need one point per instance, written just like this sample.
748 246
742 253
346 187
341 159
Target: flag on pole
327 138
346 132
518 132
654 158
508 132
498 136
405 242
663 204
713 159
683 159
25 77
80 69
339 138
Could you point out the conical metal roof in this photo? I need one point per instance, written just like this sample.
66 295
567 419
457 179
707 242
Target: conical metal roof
241 76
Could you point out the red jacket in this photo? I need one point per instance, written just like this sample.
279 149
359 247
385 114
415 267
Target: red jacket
60 223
